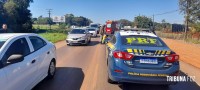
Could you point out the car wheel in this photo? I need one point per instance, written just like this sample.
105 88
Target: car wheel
111 81
52 69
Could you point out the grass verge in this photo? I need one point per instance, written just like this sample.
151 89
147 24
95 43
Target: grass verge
54 37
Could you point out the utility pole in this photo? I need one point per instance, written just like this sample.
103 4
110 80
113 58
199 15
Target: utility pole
153 23
186 19
49 12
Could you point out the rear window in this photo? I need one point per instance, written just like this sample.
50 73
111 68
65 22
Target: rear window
91 29
94 25
77 31
108 26
142 41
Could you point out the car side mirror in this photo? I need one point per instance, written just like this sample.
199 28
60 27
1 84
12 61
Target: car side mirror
15 58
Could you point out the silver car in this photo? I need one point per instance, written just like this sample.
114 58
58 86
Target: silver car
78 36
93 31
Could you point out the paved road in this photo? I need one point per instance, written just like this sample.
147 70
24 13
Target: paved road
84 68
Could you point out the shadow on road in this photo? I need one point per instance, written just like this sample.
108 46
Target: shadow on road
66 78
179 86
92 43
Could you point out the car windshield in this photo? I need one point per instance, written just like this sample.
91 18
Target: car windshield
91 29
77 31
137 40
94 25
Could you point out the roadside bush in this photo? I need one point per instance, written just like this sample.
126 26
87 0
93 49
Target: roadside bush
62 26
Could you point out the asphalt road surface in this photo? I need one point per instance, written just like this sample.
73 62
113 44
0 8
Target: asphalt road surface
84 68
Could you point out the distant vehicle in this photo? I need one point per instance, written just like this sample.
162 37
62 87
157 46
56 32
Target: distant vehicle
111 27
95 25
140 57
25 60
93 31
78 36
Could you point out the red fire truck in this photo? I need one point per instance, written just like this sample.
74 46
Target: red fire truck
111 27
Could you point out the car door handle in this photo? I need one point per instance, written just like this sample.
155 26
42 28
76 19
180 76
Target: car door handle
33 61
48 52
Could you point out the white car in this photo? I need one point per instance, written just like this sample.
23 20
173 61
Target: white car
93 31
25 60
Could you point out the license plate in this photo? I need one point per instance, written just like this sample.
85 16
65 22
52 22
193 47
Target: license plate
75 41
149 61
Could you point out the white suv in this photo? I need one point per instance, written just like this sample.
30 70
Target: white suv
25 60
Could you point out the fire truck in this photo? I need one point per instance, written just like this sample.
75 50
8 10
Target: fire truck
111 27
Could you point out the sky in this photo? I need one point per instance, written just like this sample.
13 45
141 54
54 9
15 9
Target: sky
100 11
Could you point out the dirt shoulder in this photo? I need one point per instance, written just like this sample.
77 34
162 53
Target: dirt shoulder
189 57
189 53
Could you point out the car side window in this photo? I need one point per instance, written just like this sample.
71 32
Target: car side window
113 40
18 47
37 42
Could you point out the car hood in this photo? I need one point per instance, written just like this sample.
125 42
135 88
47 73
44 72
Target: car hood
76 35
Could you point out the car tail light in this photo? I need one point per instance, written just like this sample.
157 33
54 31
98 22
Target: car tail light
122 55
118 71
172 58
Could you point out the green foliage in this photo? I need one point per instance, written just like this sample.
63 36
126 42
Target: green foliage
143 22
192 7
125 22
43 20
162 26
70 19
16 15
62 26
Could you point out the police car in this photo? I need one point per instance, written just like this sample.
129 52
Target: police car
140 57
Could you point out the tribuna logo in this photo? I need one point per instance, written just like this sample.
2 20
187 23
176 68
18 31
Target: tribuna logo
181 78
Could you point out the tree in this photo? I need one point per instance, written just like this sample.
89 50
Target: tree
17 15
125 22
43 20
143 22
163 23
70 19
192 8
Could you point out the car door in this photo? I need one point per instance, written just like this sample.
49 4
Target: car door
109 49
20 72
41 52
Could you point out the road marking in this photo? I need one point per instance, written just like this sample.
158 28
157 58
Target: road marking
95 77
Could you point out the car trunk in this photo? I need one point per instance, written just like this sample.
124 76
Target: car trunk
147 58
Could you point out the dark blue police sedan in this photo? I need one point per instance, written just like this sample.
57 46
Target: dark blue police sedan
140 57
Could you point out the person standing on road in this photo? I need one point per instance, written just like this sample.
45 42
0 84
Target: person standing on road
102 32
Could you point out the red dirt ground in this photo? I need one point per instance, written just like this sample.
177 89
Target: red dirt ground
189 53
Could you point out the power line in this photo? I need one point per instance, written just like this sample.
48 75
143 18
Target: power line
162 14
166 12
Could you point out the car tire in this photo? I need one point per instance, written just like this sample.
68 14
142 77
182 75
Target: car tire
51 70
111 81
